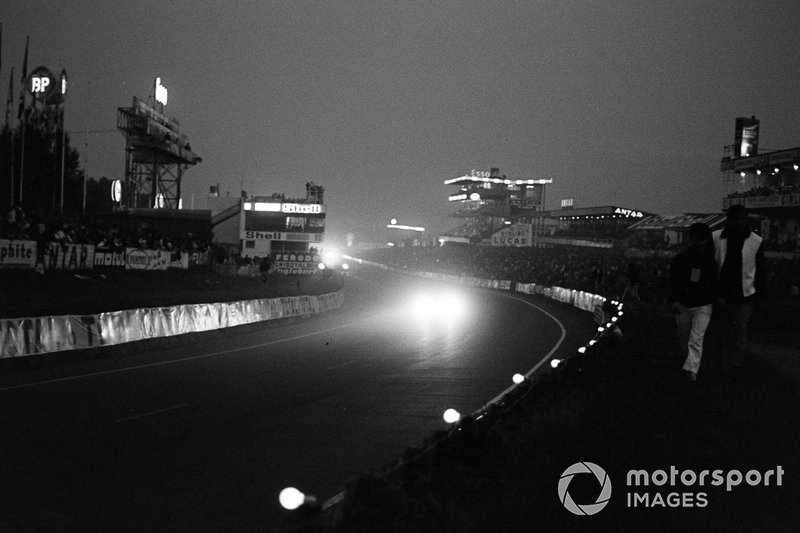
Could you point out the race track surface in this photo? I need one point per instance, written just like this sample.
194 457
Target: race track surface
204 434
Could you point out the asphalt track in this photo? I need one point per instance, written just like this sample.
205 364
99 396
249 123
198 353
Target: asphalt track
203 434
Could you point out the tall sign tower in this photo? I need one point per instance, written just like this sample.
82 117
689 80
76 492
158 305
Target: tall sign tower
156 153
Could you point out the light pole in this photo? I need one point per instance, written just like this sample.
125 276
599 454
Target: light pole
63 131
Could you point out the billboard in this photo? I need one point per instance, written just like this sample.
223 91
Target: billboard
746 141
513 235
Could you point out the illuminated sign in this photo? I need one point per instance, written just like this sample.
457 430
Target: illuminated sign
276 207
42 84
457 197
281 236
39 84
161 92
746 143
310 209
567 202
116 190
628 213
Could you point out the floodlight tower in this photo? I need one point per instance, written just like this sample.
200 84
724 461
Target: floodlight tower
156 153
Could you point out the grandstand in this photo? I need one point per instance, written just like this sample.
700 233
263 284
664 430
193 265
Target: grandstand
488 201
768 184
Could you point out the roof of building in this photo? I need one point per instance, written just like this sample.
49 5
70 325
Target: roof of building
679 222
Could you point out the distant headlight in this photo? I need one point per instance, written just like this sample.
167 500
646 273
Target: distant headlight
438 305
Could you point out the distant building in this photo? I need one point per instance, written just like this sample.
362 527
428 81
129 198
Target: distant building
595 227
276 224
767 183
488 202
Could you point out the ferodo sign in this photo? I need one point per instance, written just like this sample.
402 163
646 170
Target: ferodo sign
138 259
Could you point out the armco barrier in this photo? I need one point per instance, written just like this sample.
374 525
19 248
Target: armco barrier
31 336
580 299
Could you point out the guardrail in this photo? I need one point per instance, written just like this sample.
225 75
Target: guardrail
22 337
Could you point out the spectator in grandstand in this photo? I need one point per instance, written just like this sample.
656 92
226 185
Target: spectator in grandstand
263 267
740 261
692 291
633 281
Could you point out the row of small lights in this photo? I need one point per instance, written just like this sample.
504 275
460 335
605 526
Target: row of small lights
608 326
291 498
774 170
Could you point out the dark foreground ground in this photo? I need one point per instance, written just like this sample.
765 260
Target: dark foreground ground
621 406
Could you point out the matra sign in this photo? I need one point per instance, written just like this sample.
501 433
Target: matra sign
628 212
301 208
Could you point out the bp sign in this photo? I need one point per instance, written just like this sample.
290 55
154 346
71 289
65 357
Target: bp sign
45 86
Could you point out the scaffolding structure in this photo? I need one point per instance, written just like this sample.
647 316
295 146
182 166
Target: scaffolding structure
156 156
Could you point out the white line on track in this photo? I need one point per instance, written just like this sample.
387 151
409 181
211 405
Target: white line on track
171 361
149 413
544 359
342 364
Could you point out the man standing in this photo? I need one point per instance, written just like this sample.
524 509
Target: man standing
692 287
739 255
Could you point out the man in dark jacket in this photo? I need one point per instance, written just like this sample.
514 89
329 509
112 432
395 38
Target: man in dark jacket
692 291
740 261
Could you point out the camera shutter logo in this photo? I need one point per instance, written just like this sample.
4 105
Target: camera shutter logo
584 468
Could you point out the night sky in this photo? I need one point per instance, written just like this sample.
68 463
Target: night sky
625 103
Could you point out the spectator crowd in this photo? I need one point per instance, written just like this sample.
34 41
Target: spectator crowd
18 225
609 272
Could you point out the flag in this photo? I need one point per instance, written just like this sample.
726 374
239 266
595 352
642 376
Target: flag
10 98
22 85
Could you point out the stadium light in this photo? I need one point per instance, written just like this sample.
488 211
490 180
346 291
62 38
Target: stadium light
518 378
291 498
554 363
451 416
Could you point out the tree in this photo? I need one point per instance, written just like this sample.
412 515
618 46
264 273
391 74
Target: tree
41 168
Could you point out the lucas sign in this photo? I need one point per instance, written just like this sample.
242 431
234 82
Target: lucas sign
514 235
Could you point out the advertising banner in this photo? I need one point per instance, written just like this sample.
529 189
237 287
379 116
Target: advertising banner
178 259
514 235
138 259
63 256
107 258
17 253
746 140
297 264
252 235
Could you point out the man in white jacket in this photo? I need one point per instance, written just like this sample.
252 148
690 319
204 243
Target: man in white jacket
739 254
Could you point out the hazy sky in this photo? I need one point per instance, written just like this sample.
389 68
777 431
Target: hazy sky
624 103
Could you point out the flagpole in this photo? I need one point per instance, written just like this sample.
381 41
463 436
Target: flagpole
9 103
23 118
24 124
63 90
63 141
